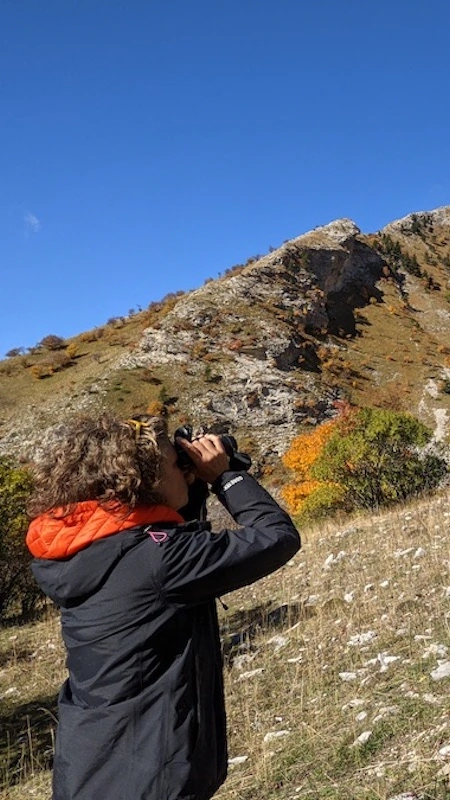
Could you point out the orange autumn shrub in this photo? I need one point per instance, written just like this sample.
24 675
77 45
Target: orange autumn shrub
306 495
302 454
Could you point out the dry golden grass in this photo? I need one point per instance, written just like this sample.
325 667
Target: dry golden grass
368 623
341 643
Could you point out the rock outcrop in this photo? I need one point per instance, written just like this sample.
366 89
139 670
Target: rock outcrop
307 287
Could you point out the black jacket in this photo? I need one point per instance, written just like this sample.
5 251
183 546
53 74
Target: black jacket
141 716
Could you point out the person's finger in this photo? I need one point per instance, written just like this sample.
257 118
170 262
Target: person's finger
198 451
188 446
204 445
209 443
216 440
208 446
208 456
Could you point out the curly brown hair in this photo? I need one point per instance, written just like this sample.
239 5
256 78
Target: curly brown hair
106 459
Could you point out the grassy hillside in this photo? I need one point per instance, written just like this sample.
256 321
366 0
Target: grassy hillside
383 338
337 671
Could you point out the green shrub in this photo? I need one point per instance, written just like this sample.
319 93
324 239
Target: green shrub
18 590
380 457
328 497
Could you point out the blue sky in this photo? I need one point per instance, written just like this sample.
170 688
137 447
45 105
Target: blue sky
148 145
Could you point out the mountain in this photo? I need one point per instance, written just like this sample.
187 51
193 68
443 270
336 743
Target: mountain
265 350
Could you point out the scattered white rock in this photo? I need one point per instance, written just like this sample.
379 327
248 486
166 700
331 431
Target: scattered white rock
348 596
402 553
312 600
362 738
353 703
250 674
444 752
420 552
438 650
233 762
271 735
386 711
348 676
405 796
278 641
384 660
361 638
361 716
379 771
241 661
442 671
333 559
431 699
12 690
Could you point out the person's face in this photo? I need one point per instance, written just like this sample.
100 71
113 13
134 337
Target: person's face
172 487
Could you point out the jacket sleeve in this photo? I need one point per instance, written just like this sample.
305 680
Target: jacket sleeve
199 565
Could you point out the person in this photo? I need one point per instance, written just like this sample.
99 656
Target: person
141 714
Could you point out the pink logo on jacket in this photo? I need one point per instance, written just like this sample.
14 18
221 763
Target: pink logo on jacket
158 536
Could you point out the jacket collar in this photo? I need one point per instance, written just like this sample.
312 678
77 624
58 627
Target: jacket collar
53 536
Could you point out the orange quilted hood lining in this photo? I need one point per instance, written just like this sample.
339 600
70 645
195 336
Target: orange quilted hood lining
53 536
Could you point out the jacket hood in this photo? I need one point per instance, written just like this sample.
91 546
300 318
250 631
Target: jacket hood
74 554
53 535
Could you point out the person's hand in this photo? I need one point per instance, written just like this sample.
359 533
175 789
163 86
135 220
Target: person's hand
208 456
